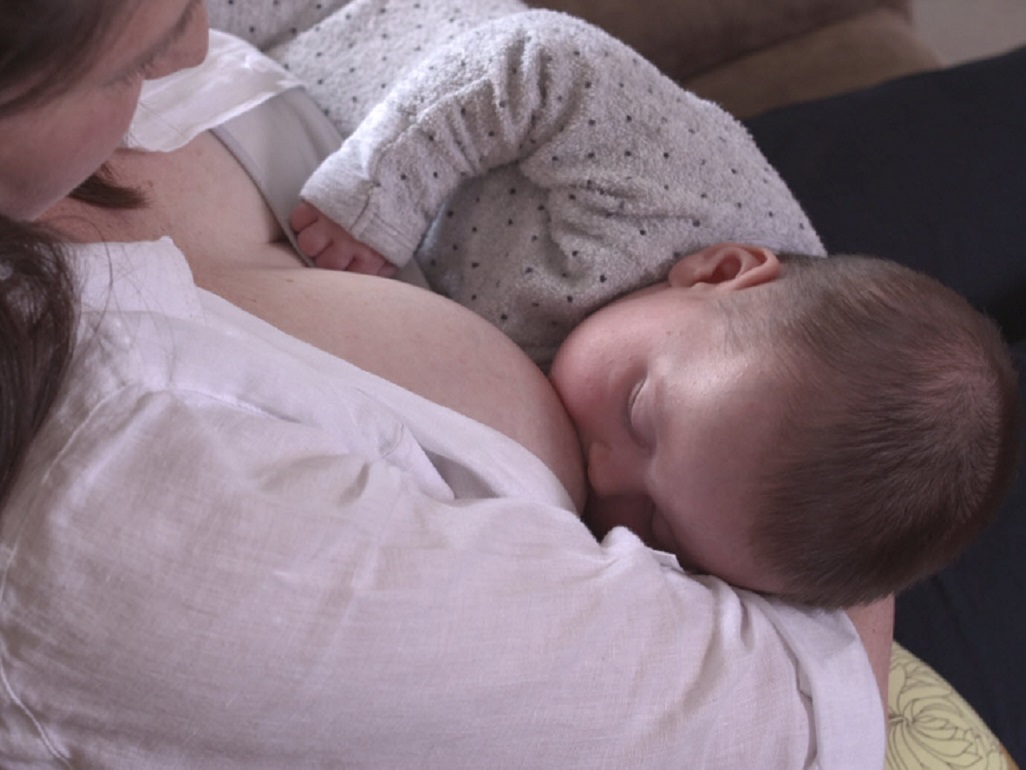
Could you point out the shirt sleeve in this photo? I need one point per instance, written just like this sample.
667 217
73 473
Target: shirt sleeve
496 95
220 585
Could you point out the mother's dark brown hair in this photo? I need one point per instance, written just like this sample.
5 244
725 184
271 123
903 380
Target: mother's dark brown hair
37 324
45 45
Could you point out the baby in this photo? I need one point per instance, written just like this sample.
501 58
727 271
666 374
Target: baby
826 430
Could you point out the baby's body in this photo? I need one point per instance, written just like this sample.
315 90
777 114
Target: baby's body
546 177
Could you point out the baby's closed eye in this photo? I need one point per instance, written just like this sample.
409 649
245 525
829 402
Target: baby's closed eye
633 415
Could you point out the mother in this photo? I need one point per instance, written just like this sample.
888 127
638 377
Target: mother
244 536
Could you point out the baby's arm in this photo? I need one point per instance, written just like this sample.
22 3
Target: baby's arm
493 97
331 246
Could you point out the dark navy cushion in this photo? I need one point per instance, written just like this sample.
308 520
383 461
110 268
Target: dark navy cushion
930 170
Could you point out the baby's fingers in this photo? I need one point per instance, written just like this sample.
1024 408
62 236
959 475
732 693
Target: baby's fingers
316 238
303 215
369 262
334 257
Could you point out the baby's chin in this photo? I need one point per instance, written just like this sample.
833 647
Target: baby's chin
575 357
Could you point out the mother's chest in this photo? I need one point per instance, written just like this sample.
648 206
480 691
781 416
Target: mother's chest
197 195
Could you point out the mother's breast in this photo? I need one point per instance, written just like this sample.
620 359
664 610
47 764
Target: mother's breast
418 340
205 201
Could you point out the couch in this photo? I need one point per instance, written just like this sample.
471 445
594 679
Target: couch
753 55
890 154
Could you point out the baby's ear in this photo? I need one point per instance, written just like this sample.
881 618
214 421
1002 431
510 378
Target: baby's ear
725 267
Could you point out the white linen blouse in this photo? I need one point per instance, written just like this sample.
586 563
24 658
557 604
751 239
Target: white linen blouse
231 549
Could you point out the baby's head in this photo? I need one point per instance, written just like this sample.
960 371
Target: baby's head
829 430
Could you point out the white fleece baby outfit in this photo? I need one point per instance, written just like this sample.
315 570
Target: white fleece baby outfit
536 167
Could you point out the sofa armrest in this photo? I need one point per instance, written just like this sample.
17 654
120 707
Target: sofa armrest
686 37
858 52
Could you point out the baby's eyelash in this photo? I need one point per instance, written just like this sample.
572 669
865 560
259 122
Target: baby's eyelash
629 413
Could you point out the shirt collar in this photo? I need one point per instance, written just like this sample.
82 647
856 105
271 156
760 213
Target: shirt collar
147 276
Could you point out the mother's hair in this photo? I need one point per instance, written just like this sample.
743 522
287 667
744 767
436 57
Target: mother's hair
37 324
44 43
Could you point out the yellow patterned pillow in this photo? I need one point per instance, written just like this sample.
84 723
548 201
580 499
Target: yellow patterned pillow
930 726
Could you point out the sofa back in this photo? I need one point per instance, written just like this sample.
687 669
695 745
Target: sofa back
685 37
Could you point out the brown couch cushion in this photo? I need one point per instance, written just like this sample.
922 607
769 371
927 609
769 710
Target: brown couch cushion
855 53
684 37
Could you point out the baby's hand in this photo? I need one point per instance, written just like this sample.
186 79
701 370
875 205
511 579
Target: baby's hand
331 246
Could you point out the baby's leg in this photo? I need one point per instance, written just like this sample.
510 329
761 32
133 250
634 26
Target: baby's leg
266 23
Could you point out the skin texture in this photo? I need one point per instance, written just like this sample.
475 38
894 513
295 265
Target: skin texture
50 148
209 206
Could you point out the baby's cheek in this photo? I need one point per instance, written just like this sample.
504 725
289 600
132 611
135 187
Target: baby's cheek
599 477
610 472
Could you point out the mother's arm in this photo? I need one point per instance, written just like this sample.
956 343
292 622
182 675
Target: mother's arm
332 612
529 414
875 625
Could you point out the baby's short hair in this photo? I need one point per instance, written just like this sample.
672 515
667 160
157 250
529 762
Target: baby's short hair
899 436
